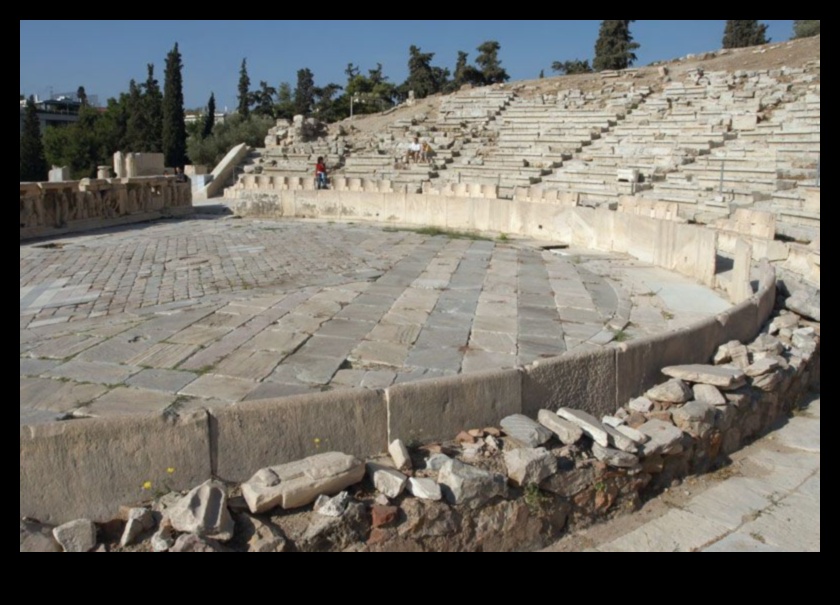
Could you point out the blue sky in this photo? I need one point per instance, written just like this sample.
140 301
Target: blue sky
103 56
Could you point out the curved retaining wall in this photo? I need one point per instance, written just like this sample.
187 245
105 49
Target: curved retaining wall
91 467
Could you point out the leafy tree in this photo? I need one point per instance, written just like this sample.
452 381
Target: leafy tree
244 91
81 94
422 78
226 135
153 107
489 64
80 146
263 100
806 28
542 74
285 102
210 118
575 66
743 33
33 162
614 47
174 128
305 92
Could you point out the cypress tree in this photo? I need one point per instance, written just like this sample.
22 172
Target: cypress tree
305 92
33 163
740 33
210 118
174 127
153 107
244 90
614 47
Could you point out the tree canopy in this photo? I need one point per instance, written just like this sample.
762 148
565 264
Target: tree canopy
806 28
743 33
244 90
33 162
174 127
614 48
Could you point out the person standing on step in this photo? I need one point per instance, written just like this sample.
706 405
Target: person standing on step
320 174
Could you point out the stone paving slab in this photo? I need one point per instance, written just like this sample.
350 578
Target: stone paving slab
57 396
167 381
211 312
219 387
123 401
94 372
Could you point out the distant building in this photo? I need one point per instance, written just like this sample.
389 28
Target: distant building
59 111
191 117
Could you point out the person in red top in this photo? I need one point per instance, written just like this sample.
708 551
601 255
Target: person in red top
320 174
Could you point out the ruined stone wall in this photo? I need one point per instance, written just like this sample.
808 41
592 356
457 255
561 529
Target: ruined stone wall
64 207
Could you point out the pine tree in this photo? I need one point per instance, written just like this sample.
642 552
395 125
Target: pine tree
421 74
305 92
174 127
33 163
488 62
137 126
806 28
210 118
743 33
81 95
243 91
614 47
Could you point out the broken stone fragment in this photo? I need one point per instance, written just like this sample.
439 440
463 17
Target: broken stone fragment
762 367
674 392
527 466
466 485
767 344
387 480
665 438
332 507
203 512
620 441
162 540
138 521
299 484
615 458
425 489
588 424
723 377
400 456
435 462
697 418
76 536
567 432
525 431
708 394
642 405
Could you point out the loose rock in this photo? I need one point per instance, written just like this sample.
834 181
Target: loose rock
526 431
76 536
709 394
300 483
673 392
386 480
568 433
139 520
528 466
615 458
332 507
203 512
696 418
719 376
665 438
588 424
466 485
400 456
425 489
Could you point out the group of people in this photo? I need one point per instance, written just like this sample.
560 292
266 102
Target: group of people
418 152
